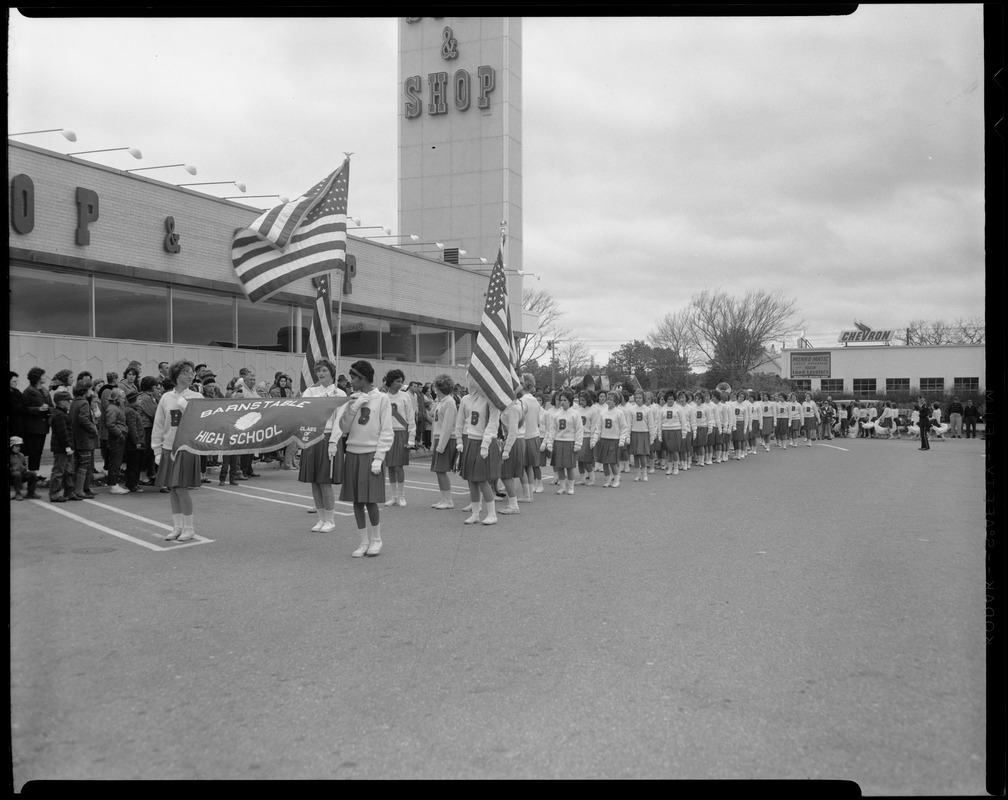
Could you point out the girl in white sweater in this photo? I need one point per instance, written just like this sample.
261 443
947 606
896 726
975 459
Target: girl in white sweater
178 470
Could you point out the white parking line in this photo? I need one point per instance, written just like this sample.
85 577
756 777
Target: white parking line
272 500
119 534
845 449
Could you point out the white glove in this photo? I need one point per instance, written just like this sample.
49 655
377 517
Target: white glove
505 454
459 447
376 466
542 447
409 443
484 450
355 406
333 448
69 451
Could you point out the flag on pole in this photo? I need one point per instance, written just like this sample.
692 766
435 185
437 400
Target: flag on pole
493 360
304 237
320 341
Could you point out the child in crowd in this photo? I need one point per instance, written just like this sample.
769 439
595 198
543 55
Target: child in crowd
18 467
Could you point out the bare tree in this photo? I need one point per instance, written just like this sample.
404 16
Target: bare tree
972 330
534 347
732 333
574 358
675 332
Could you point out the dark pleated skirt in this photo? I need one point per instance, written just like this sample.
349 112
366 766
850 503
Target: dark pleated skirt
443 462
782 428
532 456
514 465
700 437
640 443
739 433
360 485
398 454
607 451
179 470
476 469
315 465
563 456
586 455
672 440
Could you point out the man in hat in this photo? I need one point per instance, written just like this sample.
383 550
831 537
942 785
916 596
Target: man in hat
61 479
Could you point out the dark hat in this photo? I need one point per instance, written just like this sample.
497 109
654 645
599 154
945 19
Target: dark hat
364 369
61 394
208 377
132 396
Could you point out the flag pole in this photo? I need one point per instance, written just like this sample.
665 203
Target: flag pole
339 318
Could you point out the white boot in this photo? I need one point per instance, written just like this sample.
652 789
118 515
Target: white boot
365 541
491 515
329 521
374 540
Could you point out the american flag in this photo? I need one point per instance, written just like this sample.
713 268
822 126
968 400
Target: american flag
320 341
295 240
492 365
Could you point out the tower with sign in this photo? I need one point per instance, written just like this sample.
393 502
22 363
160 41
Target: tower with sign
460 147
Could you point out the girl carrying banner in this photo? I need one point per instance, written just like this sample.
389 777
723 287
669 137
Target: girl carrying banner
316 463
177 471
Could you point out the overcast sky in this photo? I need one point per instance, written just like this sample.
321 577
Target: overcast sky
839 160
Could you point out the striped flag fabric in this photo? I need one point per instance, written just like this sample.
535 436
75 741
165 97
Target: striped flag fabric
320 340
295 240
493 360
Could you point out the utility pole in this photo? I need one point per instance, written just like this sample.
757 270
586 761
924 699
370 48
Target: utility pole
550 345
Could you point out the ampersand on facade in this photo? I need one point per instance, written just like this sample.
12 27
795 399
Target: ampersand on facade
449 46
171 241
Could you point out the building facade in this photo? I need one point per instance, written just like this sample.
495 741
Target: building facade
460 140
866 371
107 267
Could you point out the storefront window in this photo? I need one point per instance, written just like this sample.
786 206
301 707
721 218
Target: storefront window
864 386
829 385
463 348
130 311
897 384
360 337
435 345
399 342
49 302
202 319
932 384
265 326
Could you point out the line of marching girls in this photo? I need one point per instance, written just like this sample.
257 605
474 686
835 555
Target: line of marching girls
499 453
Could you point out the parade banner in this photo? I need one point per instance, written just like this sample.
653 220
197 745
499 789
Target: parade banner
253 425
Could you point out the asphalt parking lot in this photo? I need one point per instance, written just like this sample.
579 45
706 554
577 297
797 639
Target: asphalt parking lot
815 613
